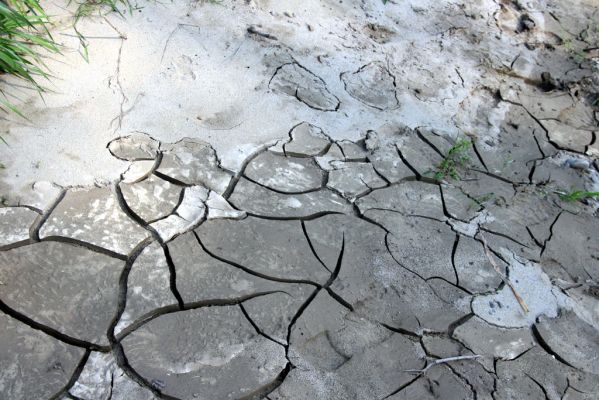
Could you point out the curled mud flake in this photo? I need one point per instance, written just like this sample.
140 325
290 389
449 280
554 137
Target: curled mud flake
299 82
137 146
372 85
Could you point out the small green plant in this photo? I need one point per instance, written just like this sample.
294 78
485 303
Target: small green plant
576 195
456 157
482 201
23 33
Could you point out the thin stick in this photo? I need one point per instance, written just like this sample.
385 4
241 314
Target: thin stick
442 361
503 277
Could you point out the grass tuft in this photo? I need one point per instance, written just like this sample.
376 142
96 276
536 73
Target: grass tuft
23 33
577 195
457 157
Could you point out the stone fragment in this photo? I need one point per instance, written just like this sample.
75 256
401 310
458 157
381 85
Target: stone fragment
103 379
353 179
152 198
572 339
34 365
407 198
258 200
94 216
218 207
307 140
284 174
188 214
531 284
14 224
493 342
65 287
193 162
372 85
137 146
148 285
214 353
297 81
273 248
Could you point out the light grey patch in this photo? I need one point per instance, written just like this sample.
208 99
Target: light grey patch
188 214
151 199
532 285
218 208
353 179
94 216
260 201
285 174
137 171
103 379
63 286
194 163
307 140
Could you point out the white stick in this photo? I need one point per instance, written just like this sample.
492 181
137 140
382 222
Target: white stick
442 361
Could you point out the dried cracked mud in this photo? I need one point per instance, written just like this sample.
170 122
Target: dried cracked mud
325 266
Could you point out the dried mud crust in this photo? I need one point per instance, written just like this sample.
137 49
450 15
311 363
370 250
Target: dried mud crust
327 268
313 272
